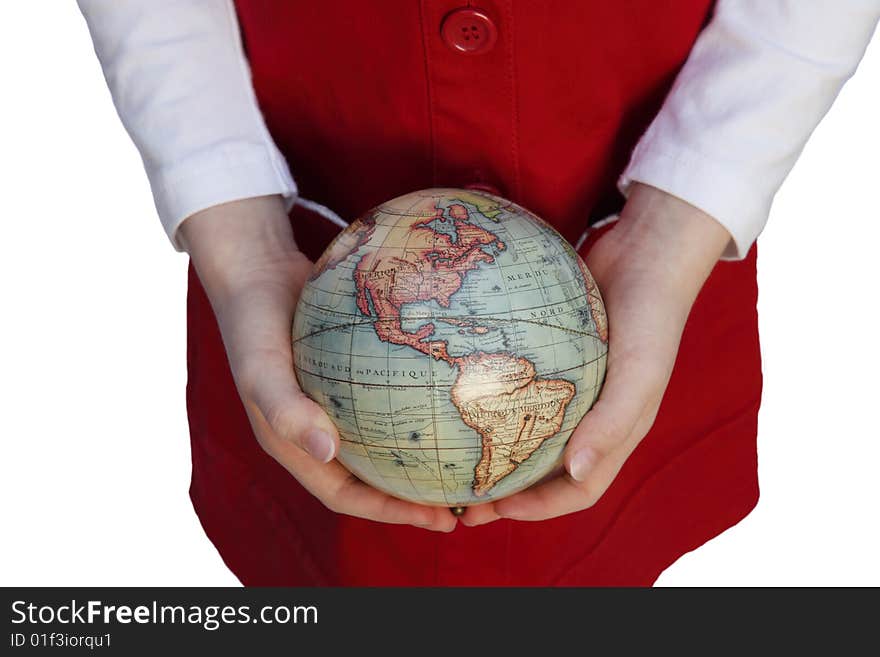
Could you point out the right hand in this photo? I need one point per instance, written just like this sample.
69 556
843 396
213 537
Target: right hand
252 271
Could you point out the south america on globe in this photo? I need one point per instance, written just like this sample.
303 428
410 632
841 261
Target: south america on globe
456 340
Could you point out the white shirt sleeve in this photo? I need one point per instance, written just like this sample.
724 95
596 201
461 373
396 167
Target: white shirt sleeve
760 77
182 87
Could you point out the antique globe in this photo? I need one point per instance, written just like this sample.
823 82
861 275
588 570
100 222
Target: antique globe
456 340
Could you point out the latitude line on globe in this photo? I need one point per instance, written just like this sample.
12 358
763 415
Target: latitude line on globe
430 385
490 318
571 311
353 269
405 358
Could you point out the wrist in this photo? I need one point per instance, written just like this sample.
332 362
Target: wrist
680 242
229 242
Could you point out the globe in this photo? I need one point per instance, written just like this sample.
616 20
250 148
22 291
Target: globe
456 340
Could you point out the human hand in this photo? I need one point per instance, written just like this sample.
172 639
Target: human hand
649 268
252 271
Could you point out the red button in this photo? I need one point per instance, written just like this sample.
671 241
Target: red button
469 31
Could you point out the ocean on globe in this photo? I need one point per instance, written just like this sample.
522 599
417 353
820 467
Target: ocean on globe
456 340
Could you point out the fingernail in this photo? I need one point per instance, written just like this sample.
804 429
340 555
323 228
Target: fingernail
581 464
319 444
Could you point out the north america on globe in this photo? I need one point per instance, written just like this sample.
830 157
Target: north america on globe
456 340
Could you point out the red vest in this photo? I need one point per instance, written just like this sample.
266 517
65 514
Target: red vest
543 101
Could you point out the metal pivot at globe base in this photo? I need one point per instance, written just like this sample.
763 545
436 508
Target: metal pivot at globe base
456 340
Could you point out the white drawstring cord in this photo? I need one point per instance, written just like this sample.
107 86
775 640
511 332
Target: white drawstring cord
322 210
602 222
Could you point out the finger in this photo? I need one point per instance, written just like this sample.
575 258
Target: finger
597 437
293 429
272 392
563 494
629 390
480 514
357 498
599 445
342 492
257 332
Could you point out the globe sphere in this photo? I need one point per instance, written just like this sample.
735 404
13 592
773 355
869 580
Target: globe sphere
456 340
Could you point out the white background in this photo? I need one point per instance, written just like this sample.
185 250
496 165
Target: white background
95 458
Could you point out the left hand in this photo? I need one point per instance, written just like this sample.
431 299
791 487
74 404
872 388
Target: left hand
649 268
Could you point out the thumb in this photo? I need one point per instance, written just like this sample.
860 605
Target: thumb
274 394
255 324
613 419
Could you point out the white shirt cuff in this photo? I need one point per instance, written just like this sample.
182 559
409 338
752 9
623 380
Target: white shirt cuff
226 172
758 80
706 183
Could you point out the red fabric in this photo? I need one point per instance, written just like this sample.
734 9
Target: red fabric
368 104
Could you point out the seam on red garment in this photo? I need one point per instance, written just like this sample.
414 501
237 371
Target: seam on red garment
753 406
429 91
514 105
